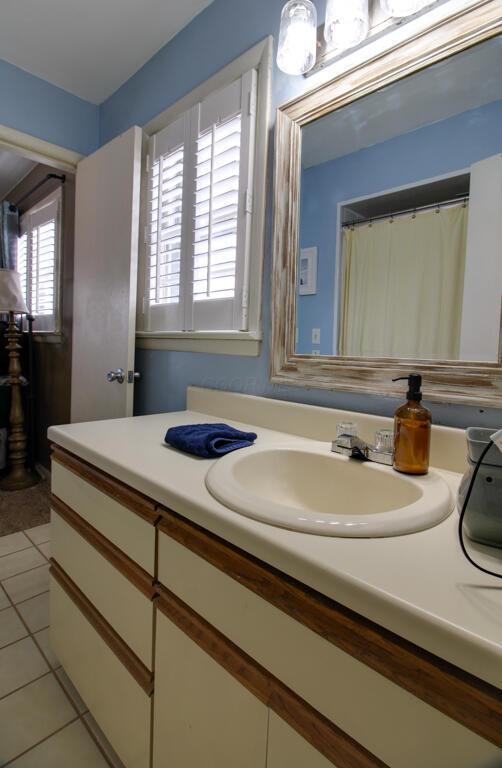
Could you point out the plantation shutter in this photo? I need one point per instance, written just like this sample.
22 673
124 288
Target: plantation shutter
165 238
200 206
22 262
37 260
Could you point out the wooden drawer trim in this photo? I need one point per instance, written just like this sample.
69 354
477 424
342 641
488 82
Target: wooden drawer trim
135 666
458 694
127 567
337 746
123 494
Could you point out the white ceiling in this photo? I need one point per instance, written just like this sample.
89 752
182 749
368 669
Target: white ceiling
89 47
13 168
462 82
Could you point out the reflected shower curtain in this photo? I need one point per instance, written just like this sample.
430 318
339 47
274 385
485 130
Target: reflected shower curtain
403 286
9 231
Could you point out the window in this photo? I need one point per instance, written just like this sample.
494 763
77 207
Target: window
200 197
38 260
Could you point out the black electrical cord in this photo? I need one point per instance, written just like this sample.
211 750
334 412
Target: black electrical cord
462 515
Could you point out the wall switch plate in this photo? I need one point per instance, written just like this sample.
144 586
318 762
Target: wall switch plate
316 335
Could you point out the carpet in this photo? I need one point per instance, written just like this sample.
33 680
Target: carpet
20 510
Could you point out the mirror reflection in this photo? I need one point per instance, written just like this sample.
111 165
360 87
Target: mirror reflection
400 218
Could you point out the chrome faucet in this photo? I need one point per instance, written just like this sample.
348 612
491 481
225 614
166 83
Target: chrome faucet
349 444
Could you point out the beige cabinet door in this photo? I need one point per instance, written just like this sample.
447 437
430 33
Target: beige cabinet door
202 715
287 749
105 279
120 706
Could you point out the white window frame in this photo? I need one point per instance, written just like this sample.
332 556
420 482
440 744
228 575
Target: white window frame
47 326
237 342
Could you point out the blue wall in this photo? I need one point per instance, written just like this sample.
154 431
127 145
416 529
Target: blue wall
443 147
218 35
34 106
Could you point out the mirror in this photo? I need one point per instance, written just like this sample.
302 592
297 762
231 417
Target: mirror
399 218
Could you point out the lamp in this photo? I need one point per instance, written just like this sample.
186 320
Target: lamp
12 301
398 9
296 53
347 23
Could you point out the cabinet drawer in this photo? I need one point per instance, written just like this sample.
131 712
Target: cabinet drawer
203 716
387 720
122 603
114 697
128 530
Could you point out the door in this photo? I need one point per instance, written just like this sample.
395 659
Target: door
203 717
105 279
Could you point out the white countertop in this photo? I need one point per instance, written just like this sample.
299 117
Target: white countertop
419 585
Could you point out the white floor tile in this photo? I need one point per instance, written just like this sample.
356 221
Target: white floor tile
20 663
73 746
4 600
44 641
45 549
11 627
72 691
103 742
39 534
35 612
13 543
18 562
26 585
32 714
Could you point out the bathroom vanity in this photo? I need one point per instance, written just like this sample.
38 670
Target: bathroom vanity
198 636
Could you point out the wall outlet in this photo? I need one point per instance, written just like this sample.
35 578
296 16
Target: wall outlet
316 335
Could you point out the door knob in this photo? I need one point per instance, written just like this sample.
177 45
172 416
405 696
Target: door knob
117 375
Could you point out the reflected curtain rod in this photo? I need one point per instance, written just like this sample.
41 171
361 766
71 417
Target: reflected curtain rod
61 178
459 200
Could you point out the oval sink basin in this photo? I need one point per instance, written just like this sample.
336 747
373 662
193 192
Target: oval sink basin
315 491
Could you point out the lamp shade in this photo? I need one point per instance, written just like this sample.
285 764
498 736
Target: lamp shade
11 294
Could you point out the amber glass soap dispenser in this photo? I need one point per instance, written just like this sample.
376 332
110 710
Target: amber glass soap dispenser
412 431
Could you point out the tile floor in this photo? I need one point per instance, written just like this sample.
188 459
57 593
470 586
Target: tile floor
43 721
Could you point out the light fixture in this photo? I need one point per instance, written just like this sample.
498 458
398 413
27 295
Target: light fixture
296 52
347 23
12 301
398 9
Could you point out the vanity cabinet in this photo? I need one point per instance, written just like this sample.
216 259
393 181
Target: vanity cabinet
203 715
342 684
102 674
190 652
102 576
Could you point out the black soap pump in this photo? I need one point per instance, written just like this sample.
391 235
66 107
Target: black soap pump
412 430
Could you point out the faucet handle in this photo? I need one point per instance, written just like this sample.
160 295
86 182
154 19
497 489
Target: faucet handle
384 440
346 428
383 450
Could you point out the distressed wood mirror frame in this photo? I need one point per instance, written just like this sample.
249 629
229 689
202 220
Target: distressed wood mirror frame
452 381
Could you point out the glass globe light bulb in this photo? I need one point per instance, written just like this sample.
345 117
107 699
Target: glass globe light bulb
398 9
296 52
347 23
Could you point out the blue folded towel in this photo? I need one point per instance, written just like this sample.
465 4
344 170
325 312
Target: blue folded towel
208 440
